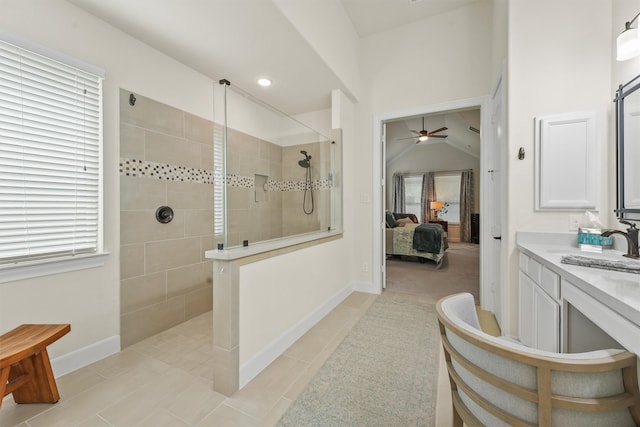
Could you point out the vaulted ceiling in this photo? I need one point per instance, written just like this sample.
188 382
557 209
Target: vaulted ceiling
460 133
242 40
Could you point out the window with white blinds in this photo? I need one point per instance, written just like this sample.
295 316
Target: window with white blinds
50 143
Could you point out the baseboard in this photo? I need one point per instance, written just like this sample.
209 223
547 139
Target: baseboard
367 287
270 353
82 357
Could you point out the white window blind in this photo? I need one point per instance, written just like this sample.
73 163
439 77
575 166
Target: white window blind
50 138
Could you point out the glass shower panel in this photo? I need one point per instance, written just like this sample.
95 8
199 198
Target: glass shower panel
278 177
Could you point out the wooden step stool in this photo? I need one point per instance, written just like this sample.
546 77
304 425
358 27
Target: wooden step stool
25 369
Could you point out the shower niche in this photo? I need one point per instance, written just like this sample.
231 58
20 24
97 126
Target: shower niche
274 177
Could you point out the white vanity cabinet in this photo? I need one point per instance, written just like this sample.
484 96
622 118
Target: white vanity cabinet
539 321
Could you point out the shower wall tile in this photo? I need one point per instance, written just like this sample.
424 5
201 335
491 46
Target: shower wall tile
142 291
166 159
140 324
131 141
142 226
198 129
189 195
151 115
206 244
197 302
240 198
183 280
198 222
131 261
172 150
136 193
206 157
168 254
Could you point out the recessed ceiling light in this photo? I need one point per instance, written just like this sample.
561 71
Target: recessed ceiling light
264 82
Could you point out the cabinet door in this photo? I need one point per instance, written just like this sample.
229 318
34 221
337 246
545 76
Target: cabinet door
526 327
547 321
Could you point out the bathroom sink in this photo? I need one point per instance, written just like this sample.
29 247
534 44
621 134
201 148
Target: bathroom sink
626 265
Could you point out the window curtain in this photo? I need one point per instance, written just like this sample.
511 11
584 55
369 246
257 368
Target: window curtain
466 205
398 193
428 195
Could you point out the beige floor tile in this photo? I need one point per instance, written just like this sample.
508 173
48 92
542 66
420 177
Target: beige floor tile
227 416
78 382
150 398
259 396
196 402
162 418
12 414
94 421
276 413
69 412
301 382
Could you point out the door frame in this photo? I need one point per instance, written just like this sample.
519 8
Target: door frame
379 119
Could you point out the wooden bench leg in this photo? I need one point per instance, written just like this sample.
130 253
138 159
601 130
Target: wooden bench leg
4 377
41 386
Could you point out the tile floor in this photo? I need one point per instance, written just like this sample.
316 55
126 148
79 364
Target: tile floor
165 380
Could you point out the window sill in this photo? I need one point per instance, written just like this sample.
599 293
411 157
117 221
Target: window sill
10 273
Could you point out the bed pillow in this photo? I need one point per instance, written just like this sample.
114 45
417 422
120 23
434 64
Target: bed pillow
391 220
404 221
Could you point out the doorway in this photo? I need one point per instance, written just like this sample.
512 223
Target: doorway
381 122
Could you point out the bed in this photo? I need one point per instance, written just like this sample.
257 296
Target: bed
400 237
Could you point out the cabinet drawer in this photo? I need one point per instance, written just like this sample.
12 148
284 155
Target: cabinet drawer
531 267
550 282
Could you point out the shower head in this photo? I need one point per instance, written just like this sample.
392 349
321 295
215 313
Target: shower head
306 162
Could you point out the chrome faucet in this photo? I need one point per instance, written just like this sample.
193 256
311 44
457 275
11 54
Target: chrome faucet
632 238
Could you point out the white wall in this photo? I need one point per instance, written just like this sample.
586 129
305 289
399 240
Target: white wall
559 61
89 299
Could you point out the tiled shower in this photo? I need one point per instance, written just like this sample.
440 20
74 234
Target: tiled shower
166 159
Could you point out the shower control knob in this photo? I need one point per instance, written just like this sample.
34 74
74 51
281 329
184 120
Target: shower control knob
164 214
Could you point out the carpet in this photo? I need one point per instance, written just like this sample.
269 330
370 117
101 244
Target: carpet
459 272
384 373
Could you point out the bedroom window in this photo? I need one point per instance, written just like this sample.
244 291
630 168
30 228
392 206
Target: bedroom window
448 192
413 194
50 156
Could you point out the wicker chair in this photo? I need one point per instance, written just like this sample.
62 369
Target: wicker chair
499 382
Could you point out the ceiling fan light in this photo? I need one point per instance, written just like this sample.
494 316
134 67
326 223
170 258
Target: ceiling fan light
422 138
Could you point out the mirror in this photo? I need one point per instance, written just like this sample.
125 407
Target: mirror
628 150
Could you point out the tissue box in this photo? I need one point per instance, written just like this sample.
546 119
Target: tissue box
590 239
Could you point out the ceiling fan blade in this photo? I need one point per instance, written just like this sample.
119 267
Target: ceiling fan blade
410 137
438 130
438 136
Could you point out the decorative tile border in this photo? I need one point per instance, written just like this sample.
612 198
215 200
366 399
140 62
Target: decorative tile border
167 172
163 171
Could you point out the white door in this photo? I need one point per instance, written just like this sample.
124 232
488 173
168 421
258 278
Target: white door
382 189
495 187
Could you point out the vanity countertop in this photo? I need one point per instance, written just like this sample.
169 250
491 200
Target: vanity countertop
620 291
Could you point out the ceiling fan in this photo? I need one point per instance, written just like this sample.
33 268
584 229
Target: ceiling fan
424 135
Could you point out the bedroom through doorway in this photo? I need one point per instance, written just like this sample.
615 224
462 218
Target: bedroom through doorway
431 169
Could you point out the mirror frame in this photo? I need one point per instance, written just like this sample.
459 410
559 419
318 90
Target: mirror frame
623 91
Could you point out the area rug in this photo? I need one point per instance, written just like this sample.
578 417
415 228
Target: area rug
384 373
